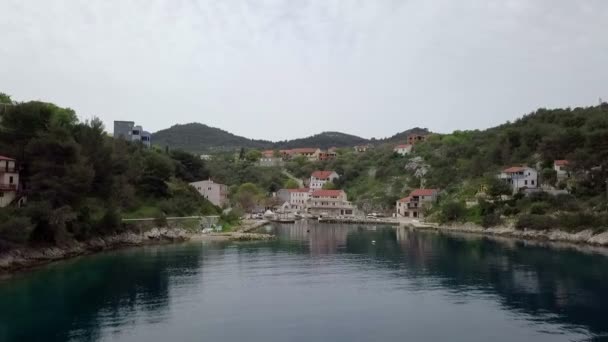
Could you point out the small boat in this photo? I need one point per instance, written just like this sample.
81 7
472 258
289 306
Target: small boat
283 220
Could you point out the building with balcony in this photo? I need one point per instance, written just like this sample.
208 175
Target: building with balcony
9 180
413 205
520 177
330 203
216 193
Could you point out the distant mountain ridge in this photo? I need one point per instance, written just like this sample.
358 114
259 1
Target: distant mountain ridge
199 138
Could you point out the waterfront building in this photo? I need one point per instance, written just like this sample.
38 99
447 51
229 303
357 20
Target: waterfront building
330 203
413 205
9 180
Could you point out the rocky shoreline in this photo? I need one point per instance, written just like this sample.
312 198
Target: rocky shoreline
587 236
28 257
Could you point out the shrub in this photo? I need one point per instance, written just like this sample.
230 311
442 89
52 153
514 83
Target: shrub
490 220
16 229
452 211
536 222
110 221
511 211
539 208
160 221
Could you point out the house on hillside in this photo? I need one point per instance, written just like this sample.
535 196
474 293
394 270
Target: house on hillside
403 149
311 154
520 177
413 139
329 203
319 178
269 159
413 205
327 155
128 131
216 193
562 169
9 180
362 148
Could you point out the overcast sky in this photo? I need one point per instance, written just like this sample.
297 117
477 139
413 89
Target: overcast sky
278 69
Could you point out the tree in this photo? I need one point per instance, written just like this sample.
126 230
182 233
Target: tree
329 186
497 187
253 156
5 99
291 184
247 196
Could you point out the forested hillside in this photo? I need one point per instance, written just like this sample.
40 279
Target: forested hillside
199 138
79 182
465 165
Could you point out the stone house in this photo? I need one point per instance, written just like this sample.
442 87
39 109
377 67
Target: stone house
413 205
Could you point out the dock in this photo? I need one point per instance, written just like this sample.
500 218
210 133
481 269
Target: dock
358 220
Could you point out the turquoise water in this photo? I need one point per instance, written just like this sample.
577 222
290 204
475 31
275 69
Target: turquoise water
319 283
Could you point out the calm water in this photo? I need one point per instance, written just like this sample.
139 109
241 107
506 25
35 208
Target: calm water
330 284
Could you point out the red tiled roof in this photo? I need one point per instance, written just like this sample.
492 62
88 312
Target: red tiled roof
405 199
561 162
6 158
299 150
322 174
402 146
299 190
268 153
514 169
423 192
327 193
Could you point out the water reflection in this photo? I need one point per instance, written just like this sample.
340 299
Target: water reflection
364 271
73 300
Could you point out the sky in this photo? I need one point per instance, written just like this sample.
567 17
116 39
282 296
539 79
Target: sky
282 69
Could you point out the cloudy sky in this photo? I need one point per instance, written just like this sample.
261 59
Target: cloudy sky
280 69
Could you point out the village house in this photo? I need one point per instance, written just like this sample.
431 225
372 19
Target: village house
520 177
311 154
413 138
327 155
362 148
329 203
216 193
9 181
403 149
319 178
269 159
413 205
562 169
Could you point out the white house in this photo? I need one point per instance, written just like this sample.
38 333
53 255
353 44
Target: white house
216 193
403 149
9 181
319 178
520 177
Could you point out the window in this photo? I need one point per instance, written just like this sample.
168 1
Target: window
10 180
532 182
135 132
525 182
